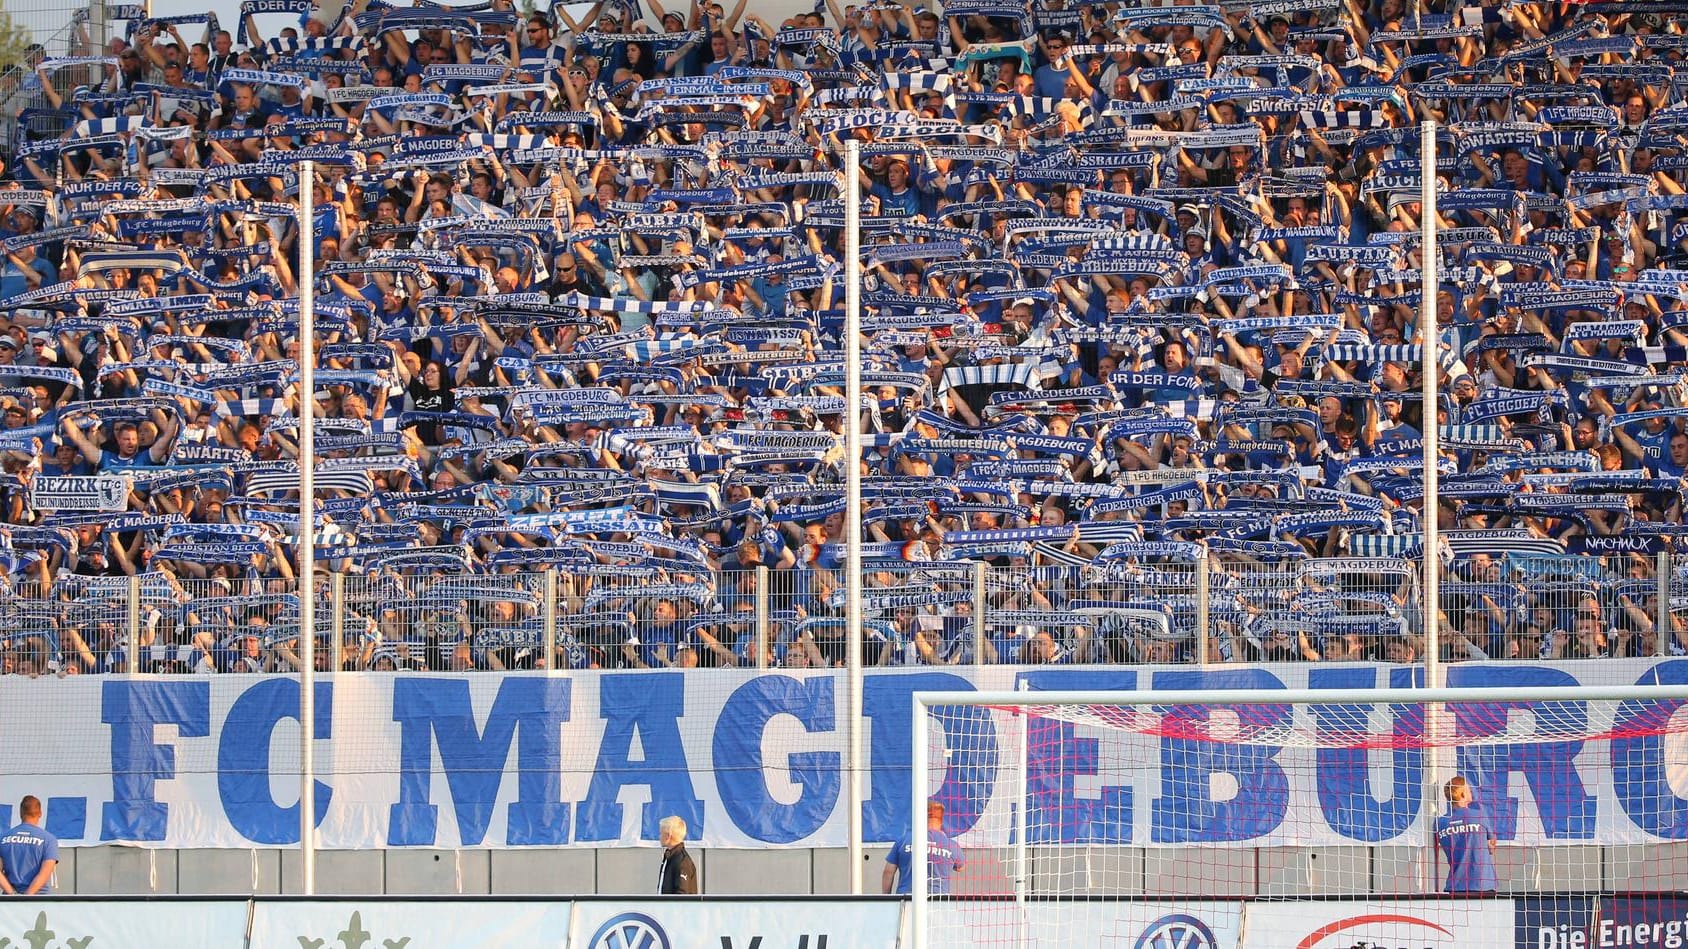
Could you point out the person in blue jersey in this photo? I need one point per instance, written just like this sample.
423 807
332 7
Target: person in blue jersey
1467 841
943 857
28 854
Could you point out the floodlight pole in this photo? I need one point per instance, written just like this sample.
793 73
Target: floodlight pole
1431 352
307 528
853 494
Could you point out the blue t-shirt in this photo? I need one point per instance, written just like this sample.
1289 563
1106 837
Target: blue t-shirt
943 858
652 638
1464 834
112 461
22 852
79 467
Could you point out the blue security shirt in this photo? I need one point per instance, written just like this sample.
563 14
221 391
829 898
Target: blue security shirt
22 852
1464 835
943 858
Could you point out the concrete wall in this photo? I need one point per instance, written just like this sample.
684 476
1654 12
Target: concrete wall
1130 871
128 870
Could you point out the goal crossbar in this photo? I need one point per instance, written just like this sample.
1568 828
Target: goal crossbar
1557 693
925 702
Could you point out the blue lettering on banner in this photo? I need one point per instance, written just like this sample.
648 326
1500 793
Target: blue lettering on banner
134 709
1344 774
474 760
1567 812
738 758
970 775
1056 814
486 755
649 705
67 817
243 759
1638 763
1186 811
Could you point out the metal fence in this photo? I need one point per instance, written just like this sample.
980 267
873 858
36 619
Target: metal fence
1205 611
76 30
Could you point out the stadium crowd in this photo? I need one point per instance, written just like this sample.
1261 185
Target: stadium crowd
1142 287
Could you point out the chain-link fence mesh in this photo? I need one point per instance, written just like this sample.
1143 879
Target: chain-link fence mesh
431 614
44 30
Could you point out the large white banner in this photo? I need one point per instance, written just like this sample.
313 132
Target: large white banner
463 923
688 924
373 922
1063 924
132 924
754 760
1421 924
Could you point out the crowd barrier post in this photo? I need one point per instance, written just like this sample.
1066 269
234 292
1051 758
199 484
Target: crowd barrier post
307 529
762 579
337 620
1203 622
132 624
979 606
1664 629
548 607
99 27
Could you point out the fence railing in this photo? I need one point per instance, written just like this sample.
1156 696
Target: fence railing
1208 610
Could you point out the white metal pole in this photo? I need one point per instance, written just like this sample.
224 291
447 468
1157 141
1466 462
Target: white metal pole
1204 617
307 528
917 833
548 623
337 631
1664 629
132 626
853 491
763 632
1431 349
1022 821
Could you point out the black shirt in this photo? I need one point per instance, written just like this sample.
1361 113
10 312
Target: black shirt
678 875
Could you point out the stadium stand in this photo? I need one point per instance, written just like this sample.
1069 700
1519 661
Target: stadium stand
1142 303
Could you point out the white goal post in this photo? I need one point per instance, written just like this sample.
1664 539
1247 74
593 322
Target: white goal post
1539 754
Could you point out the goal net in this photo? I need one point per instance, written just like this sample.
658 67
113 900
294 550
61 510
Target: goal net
1554 818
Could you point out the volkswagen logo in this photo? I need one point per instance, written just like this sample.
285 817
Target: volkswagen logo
1177 931
629 931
